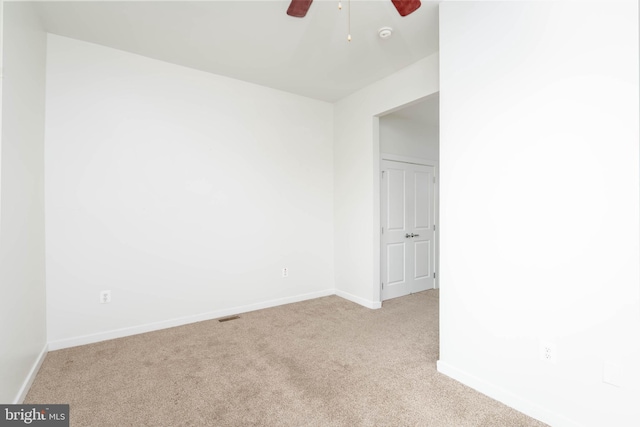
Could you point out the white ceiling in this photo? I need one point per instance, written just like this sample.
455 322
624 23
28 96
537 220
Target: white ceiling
257 41
426 112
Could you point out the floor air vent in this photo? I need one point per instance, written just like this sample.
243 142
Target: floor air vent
226 319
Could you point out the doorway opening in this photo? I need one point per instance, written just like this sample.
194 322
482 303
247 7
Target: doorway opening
408 140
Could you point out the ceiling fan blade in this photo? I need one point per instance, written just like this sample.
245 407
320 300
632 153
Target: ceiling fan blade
405 7
299 8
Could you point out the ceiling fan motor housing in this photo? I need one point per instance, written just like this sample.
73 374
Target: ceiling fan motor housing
299 8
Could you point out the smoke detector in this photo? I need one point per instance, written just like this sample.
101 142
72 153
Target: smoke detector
385 32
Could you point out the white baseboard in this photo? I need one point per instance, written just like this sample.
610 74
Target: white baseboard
28 381
366 303
155 326
508 398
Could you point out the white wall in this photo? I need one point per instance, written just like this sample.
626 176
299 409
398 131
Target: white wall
1 80
22 261
182 192
414 134
539 168
356 179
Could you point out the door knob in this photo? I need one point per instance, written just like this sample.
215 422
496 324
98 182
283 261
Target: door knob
415 235
407 236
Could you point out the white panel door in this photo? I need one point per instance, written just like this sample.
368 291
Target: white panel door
407 217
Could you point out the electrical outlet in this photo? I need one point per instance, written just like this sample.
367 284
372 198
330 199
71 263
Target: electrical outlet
105 297
285 272
548 352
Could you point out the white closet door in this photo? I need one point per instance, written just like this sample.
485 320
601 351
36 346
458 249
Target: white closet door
408 214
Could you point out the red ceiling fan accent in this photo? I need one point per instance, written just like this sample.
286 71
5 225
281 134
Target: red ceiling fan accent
405 7
299 8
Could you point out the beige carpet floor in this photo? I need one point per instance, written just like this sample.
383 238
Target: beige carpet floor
324 362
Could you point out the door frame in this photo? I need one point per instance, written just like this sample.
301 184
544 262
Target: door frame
436 201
